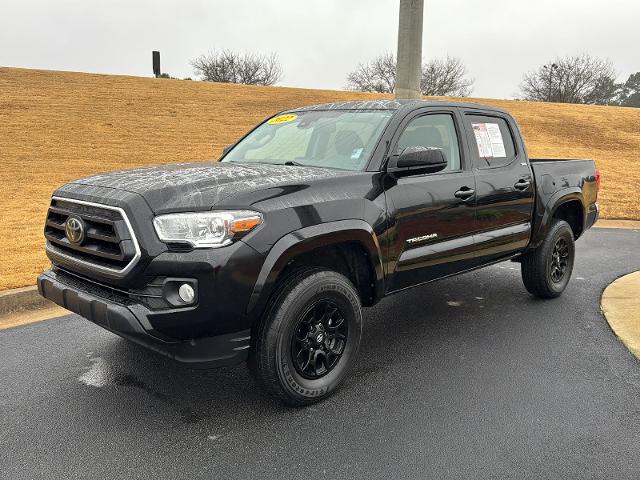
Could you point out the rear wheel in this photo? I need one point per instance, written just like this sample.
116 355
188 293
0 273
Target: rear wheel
304 345
547 269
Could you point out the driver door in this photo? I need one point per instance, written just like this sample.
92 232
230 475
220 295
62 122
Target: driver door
431 215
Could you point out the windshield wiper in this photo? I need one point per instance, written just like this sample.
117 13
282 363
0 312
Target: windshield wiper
293 163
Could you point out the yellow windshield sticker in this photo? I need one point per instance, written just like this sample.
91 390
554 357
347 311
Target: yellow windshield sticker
289 117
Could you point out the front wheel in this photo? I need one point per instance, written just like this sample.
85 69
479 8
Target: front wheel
547 269
303 347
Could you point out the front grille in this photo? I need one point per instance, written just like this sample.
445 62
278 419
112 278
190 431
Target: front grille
109 244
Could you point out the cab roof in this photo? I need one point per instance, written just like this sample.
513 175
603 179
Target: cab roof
393 105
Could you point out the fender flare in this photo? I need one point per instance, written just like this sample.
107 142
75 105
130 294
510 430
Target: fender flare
310 238
555 201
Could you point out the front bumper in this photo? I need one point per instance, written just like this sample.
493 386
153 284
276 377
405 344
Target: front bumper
131 320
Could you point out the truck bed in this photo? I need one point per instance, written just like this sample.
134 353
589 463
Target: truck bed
571 170
559 179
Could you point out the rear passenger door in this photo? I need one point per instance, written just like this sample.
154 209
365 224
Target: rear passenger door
432 215
504 185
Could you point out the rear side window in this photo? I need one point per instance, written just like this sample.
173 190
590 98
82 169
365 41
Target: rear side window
434 130
493 144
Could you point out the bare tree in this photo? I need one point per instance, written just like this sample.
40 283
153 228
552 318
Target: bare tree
379 75
227 66
573 79
439 77
446 77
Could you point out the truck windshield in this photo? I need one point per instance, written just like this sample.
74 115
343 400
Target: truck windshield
321 138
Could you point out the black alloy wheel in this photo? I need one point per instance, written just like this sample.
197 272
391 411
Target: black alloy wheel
559 260
319 339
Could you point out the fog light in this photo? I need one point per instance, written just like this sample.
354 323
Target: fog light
186 293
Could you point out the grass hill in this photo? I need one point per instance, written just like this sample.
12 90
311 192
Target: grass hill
57 126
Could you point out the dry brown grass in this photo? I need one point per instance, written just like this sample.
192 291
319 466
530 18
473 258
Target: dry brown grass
57 126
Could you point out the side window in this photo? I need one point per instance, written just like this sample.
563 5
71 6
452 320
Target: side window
493 144
436 130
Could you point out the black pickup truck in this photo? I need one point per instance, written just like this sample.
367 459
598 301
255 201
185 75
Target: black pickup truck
270 254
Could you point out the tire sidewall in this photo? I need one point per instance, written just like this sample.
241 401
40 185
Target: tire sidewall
337 289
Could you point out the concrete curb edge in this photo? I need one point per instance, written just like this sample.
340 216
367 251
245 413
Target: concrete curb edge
22 299
620 305
624 224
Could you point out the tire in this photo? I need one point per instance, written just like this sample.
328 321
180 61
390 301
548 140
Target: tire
547 269
302 348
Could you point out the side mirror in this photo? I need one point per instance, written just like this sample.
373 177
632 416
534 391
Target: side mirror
426 159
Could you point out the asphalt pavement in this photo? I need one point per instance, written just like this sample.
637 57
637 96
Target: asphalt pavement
468 378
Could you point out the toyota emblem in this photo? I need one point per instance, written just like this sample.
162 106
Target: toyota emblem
74 230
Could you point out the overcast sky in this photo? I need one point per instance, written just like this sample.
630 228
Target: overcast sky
318 41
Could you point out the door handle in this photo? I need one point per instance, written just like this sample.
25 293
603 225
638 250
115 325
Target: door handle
522 184
465 193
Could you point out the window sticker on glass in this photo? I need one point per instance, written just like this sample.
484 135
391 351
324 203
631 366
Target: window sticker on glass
489 140
286 118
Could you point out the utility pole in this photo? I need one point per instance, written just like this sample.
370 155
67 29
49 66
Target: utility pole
409 58
155 57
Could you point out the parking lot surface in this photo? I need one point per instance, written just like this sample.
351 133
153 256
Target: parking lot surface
469 377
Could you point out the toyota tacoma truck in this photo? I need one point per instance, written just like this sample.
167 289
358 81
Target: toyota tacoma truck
269 254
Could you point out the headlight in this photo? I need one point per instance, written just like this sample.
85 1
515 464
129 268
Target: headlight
206 229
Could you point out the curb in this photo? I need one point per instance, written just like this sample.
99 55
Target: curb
624 224
21 299
620 305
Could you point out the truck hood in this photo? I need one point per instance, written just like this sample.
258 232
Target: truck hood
203 185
